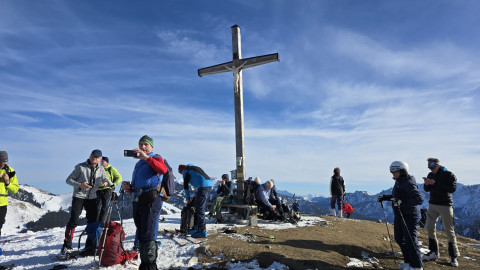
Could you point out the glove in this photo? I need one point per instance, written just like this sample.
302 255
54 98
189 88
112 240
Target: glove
384 198
396 202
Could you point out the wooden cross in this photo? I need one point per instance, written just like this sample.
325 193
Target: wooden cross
236 65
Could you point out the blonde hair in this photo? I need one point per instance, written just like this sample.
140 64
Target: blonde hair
257 179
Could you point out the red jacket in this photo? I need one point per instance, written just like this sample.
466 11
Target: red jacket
347 208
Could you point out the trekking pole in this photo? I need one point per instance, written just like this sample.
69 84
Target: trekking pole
389 237
122 192
406 228
104 234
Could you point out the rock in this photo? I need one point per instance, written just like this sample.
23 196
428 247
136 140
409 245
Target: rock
202 250
192 261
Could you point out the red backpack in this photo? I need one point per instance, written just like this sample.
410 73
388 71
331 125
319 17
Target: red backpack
110 250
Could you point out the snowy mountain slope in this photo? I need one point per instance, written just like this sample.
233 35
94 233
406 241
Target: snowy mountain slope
19 213
43 199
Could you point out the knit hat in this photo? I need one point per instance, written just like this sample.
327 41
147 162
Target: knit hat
97 153
147 139
225 176
181 167
106 159
3 156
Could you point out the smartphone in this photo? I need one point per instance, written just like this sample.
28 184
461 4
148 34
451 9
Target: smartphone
425 178
129 153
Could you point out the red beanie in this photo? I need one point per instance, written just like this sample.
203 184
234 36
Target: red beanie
181 167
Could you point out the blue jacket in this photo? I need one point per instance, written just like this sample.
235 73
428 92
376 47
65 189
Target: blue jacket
406 189
263 194
196 177
146 172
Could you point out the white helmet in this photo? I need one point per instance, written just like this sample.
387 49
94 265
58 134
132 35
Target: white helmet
398 165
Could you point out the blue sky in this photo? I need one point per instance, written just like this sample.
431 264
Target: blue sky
359 85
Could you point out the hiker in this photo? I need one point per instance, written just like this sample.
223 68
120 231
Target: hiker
337 190
195 176
347 209
104 194
295 206
262 196
274 199
147 205
223 192
85 179
441 183
405 199
8 184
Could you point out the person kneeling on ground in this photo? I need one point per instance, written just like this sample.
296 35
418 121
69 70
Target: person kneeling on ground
223 192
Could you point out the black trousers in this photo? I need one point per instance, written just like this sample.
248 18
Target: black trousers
103 197
3 214
78 205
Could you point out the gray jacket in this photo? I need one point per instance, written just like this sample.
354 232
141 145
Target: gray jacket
84 172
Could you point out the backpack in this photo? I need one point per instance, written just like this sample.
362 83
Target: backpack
187 219
250 192
167 187
93 231
111 249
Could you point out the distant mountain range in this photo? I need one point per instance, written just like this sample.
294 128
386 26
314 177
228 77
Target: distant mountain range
466 205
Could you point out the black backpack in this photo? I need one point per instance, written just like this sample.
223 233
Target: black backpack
250 192
167 187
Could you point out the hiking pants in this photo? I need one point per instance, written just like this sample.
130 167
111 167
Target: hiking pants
216 207
3 214
200 205
406 238
339 200
146 217
446 212
136 242
78 205
103 198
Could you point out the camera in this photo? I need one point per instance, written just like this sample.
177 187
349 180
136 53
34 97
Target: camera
129 153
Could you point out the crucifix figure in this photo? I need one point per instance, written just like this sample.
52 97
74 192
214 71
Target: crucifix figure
236 65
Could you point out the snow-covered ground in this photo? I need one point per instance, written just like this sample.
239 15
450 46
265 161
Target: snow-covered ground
38 249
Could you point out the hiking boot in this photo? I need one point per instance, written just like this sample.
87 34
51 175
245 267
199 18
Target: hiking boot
66 248
431 256
454 262
87 252
404 266
201 234
192 231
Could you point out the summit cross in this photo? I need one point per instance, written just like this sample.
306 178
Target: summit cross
236 66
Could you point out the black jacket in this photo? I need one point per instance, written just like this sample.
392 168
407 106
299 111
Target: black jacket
406 189
445 185
337 185
223 190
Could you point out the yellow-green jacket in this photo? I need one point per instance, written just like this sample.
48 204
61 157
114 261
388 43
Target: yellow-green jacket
13 187
113 175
